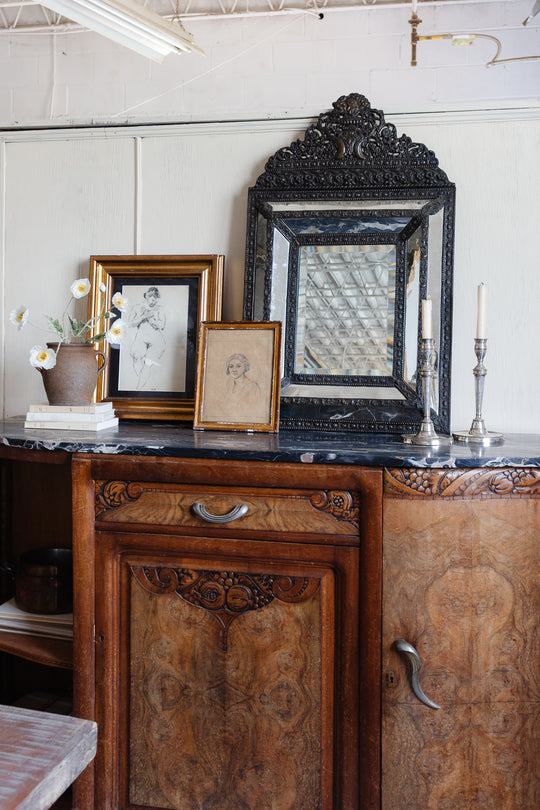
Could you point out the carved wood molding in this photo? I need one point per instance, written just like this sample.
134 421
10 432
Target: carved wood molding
224 594
476 483
342 505
113 494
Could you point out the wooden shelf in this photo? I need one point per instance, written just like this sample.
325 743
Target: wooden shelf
49 651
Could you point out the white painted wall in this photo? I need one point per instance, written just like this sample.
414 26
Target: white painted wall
497 178
66 194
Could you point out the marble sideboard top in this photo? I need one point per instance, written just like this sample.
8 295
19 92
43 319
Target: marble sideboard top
171 440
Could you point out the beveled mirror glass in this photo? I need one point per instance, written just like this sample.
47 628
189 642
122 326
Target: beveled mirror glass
347 231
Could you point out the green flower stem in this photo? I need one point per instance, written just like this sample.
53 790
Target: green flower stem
76 330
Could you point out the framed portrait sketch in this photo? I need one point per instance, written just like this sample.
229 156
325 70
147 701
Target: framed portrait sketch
161 301
238 376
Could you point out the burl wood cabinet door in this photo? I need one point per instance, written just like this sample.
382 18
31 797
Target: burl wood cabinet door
218 672
461 574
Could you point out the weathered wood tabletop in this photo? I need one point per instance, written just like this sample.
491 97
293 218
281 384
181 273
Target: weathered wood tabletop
41 754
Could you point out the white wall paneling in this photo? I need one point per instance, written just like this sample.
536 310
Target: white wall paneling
182 189
65 199
195 197
496 174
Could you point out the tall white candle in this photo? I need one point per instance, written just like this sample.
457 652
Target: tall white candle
414 6
481 316
427 326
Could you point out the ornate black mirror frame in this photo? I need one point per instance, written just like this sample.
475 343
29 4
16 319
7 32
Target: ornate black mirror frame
350 215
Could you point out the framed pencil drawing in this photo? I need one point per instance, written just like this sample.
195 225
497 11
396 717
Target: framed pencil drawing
161 301
238 376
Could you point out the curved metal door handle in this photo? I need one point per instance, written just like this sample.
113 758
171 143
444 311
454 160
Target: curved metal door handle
235 513
412 656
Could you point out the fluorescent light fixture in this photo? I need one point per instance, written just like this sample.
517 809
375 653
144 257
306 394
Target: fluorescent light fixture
129 24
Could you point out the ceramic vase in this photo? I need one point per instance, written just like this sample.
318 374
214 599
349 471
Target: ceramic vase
73 380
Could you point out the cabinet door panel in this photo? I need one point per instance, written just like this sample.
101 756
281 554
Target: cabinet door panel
227 676
460 582
222 725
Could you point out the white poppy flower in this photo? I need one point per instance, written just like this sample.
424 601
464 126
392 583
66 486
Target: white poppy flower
102 287
42 357
80 288
116 332
19 316
120 302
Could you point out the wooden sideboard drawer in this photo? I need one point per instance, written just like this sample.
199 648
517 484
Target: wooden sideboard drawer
281 510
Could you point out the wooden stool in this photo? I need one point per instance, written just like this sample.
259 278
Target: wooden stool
41 754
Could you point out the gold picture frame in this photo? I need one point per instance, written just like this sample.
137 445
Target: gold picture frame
238 376
151 373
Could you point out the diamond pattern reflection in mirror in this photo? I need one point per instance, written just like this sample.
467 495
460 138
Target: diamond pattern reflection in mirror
346 302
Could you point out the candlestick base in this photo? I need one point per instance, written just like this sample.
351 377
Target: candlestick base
488 439
421 440
427 436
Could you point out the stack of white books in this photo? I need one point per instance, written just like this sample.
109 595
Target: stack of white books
14 620
72 417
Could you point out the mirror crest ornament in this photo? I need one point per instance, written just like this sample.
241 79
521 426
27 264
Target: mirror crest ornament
347 231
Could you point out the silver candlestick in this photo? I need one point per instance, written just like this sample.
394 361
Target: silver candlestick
427 435
478 434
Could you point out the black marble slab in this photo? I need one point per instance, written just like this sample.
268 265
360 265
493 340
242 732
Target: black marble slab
171 440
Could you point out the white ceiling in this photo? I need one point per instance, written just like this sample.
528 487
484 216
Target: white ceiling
22 16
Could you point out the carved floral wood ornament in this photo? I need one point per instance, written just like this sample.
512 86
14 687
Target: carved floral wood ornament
224 594
340 504
348 230
114 494
478 483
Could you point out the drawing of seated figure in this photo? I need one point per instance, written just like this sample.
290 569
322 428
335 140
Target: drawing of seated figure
148 346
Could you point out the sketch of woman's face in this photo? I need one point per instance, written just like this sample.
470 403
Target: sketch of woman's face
237 365
152 296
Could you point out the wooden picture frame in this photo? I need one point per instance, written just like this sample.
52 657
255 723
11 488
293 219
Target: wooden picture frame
238 376
151 373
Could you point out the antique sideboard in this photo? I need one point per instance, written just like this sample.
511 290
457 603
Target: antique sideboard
270 622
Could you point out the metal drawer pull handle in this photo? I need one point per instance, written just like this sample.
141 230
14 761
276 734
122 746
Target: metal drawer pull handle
408 650
235 513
